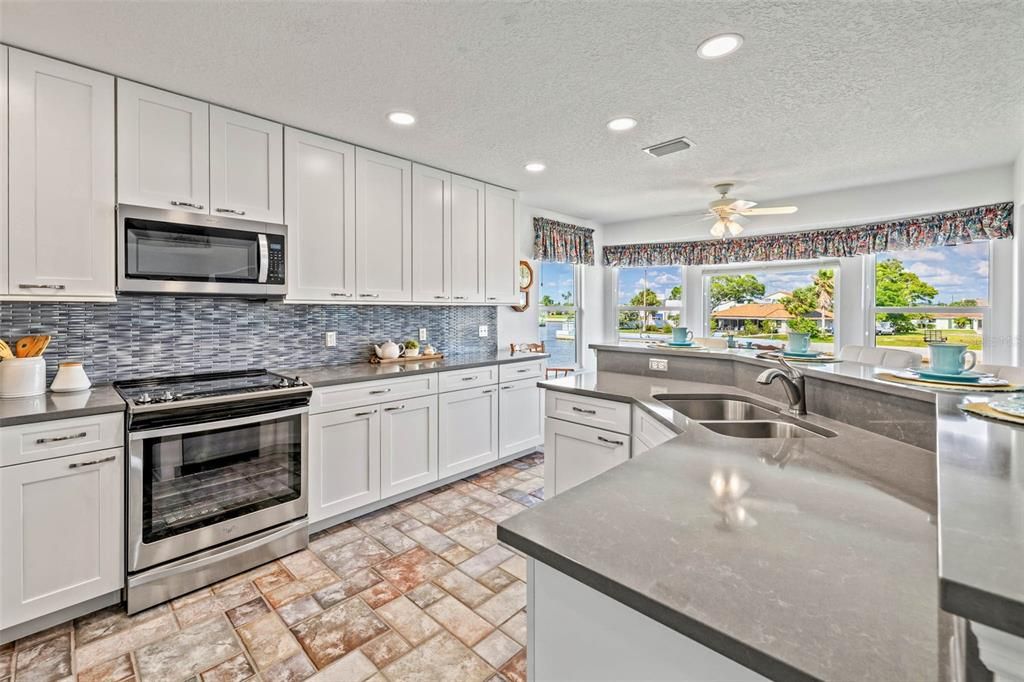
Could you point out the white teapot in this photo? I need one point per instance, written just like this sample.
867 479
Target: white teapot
389 350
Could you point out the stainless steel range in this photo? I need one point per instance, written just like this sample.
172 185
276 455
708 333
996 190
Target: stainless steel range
217 479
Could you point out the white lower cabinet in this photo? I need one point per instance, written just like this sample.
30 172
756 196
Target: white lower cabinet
574 453
521 412
467 429
61 530
408 444
648 432
344 461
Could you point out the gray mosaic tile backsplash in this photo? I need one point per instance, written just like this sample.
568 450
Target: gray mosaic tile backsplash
142 336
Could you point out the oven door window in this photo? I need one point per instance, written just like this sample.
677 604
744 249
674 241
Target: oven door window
164 251
201 478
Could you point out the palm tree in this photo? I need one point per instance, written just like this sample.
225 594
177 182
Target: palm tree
825 287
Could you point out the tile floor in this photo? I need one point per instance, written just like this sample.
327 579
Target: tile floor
416 591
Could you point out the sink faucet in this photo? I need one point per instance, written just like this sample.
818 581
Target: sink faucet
792 380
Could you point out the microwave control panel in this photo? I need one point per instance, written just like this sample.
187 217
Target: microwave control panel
275 265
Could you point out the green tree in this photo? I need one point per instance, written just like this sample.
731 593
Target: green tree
676 293
897 287
735 288
961 322
546 300
825 289
567 298
646 297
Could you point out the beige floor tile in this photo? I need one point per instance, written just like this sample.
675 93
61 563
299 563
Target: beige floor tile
350 585
302 564
198 610
298 610
114 670
379 595
515 627
464 588
442 658
460 620
110 621
386 648
496 579
504 605
516 566
477 534
137 635
425 595
411 568
345 627
497 648
41 661
336 539
355 667
272 580
187 652
250 610
408 620
292 669
484 561
267 640
515 669
351 557
431 539
235 669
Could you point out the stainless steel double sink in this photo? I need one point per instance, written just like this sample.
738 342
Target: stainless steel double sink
740 417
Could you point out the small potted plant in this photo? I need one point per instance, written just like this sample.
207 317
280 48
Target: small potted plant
412 348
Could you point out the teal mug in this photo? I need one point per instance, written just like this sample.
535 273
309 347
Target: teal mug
951 358
681 335
798 343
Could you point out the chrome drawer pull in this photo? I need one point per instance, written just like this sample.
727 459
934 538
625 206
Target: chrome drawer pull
488 391
343 295
475 376
41 286
186 204
369 295
78 465
582 411
365 414
380 390
57 439
492 298
522 371
610 441
460 298
505 388
441 298
229 210
396 407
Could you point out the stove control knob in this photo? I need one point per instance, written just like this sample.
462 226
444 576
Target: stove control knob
167 396
144 399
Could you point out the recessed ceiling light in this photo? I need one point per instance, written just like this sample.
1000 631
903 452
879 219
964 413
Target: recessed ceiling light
401 118
535 167
719 46
624 123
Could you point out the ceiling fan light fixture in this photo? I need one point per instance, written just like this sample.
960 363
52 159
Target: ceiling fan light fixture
734 228
718 229
719 46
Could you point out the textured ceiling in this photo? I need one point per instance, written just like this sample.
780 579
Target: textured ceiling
822 95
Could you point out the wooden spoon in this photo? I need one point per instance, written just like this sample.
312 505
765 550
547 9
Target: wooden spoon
5 351
31 346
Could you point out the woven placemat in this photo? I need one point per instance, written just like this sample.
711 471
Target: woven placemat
824 360
965 388
682 349
986 410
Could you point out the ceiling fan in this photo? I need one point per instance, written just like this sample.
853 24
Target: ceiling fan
727 212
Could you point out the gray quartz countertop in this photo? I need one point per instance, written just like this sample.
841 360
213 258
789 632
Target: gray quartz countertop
803 558
40 408
331 375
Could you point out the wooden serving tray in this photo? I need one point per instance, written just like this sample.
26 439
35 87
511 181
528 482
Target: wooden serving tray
374 360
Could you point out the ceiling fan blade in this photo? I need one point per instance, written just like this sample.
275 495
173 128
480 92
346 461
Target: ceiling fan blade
741 205
769 210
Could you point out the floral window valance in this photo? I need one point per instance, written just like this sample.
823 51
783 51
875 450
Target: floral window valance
562 243
919 232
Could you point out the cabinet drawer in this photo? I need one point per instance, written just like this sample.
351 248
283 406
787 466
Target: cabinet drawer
467 378
603 414
43 440
521 370
369 392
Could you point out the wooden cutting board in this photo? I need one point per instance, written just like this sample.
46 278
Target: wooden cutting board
31 346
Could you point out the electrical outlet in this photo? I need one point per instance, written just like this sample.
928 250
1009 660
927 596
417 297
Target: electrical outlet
658 364
331 339
483 330
423 333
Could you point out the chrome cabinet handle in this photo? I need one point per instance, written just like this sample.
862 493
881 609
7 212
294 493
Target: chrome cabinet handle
440 298
229 210
522 371
489 390
365 414
582 411
57 439
341 294
78 465
610 441
475 376
396 407
505 388
42 286
187 204
380 390
492 298
460 298
369 295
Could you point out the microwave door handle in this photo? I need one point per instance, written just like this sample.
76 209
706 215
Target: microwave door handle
264 258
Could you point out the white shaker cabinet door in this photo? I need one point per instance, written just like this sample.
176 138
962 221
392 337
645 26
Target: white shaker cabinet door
408 441
383 227
320 211
62 533
61 177
431 234
3 169
468 254
521 407
163 149
467 430
502 262
344 461
574 453
246 166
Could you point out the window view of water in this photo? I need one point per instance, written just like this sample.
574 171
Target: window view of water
557 315
558 332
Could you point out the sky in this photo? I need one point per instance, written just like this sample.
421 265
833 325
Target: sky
555 280
958 272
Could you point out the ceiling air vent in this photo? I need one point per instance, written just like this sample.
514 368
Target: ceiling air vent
670 147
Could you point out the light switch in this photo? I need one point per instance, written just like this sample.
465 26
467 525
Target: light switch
483 330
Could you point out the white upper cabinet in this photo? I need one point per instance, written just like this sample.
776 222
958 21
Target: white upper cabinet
501 262
431 234
320 211
467 255
163 149
383 227
3 170
246 166
61 178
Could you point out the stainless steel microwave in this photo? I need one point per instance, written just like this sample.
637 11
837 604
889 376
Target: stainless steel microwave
176 252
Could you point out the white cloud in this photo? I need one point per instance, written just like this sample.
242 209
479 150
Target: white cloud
925 254
937 277
981 269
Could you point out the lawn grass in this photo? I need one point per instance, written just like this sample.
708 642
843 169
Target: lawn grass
916 340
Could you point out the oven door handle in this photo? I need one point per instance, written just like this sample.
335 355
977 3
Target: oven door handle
220 424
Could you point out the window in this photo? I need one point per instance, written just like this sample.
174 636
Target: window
649 302
766 304
559 312
939 292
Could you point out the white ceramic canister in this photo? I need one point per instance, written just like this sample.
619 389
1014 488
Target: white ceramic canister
70 377
21 377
